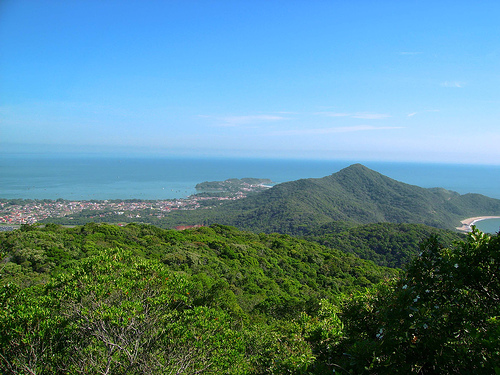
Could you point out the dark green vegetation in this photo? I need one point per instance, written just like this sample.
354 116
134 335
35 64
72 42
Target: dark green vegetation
441 317
255 266
386 244
103 299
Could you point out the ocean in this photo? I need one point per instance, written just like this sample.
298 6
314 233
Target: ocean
87 177
488 226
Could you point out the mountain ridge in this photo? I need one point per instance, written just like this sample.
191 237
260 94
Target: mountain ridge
354 194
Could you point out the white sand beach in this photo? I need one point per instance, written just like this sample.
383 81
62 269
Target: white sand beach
467 223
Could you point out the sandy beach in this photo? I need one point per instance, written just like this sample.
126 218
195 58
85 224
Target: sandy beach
467 223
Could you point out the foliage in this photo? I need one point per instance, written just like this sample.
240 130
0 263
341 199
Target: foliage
386 244
104 299
114 313
250 272
440 317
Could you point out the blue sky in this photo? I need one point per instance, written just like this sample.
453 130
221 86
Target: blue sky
357 80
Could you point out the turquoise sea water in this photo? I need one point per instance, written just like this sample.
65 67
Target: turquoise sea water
488 226
86 177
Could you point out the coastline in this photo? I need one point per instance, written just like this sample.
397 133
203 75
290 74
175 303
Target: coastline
467 223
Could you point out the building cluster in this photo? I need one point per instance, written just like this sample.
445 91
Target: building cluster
32 211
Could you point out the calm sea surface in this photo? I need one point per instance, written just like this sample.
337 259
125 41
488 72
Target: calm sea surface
489 226
92 177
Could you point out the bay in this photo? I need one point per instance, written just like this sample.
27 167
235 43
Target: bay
491 226
86 177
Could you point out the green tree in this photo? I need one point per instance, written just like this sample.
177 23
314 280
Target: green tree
441 317
115 313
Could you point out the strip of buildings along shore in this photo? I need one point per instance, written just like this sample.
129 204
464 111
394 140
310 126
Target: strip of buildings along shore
20 211
13 212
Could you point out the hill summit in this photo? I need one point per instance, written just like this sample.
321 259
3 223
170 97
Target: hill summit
355 194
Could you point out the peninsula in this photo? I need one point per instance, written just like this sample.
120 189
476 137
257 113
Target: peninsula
235 185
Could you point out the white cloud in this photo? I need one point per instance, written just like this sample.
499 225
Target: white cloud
453 84
244 120
371 116
239 120
340 129
427 110
364 116
333 114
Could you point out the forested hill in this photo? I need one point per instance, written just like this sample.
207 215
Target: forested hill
101 299
355 194
386 244
276 268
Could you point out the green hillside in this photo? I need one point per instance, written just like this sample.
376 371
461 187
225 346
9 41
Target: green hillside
355 194
104 299
267 269
386 244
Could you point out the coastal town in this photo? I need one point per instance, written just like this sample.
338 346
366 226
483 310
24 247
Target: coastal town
31 212
15 212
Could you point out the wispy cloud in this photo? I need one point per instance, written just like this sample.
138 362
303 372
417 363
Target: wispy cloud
333 114
371 116
244 120
364 116
427 110
252 119
340 129
453 84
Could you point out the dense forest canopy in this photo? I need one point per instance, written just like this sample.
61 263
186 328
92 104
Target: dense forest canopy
139 299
